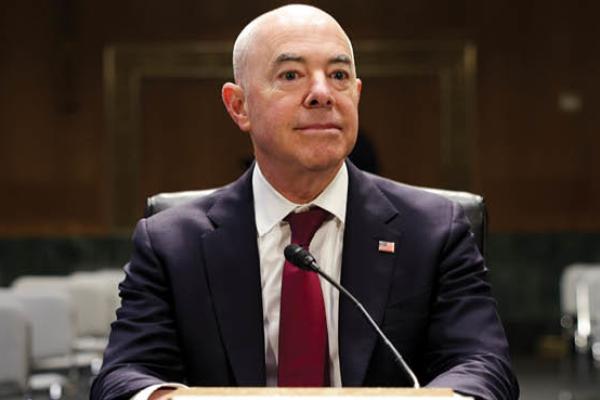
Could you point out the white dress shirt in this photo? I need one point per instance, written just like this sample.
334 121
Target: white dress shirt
274 234
270 208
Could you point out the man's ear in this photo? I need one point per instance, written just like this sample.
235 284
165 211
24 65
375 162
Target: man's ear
235 103
358 89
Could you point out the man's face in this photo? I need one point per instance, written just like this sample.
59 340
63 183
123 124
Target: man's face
301 96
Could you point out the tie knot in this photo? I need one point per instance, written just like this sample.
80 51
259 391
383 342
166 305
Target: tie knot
304 225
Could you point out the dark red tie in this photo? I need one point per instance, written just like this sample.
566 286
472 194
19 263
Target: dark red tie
303 347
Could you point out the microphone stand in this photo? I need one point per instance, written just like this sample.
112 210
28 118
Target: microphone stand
302 259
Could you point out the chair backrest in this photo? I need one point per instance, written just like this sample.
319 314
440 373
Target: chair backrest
112 278
87 296
93 304
51 317
568 283
594 306
472 204
580 306
15 345
96 294
45 283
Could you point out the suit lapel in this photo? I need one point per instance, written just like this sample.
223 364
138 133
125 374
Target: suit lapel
233 270
366 272
232 265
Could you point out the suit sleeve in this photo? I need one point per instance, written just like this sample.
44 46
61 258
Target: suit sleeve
143 348
467 348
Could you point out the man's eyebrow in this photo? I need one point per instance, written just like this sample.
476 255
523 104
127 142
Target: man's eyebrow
290 57
341 58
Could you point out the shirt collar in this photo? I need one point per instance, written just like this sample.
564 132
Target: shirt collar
274 207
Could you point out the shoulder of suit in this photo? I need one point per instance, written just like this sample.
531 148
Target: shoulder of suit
395 188
190 212
408 197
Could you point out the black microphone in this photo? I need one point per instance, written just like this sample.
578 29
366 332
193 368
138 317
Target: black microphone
302 259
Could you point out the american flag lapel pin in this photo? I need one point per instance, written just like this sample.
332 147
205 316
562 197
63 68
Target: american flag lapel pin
386 247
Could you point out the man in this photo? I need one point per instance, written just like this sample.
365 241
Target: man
207 298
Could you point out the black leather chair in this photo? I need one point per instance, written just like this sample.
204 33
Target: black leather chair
472 204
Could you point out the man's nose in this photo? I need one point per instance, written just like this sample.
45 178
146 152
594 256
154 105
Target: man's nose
319 94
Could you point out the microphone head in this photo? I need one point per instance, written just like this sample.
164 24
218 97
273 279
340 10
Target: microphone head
300 257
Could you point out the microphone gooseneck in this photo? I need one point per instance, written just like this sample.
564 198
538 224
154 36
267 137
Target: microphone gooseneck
302 259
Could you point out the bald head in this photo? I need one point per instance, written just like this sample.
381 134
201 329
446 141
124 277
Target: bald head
296 94
257 32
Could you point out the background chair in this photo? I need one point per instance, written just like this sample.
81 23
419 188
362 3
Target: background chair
93 308
15 346
580 306
52 363
594 303
580 309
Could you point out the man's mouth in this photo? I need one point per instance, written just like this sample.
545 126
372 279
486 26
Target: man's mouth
319 127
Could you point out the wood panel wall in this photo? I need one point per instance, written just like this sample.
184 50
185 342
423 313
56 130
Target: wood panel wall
537 165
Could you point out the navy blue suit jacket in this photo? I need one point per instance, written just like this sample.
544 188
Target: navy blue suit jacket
191 300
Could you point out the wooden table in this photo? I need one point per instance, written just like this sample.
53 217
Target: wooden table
213 393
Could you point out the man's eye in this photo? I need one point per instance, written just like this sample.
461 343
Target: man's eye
340 75
290 75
